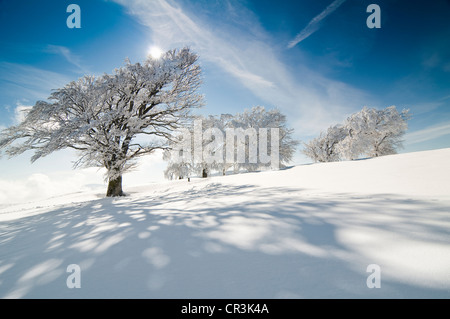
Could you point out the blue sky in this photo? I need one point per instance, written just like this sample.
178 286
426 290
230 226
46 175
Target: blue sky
249 55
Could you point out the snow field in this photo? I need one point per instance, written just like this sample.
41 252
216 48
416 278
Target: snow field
309 231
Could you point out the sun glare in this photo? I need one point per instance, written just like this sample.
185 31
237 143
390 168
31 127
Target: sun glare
155 52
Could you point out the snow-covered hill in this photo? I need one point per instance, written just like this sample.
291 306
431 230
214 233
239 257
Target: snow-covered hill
308 231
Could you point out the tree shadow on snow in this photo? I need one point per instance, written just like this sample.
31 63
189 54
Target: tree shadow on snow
220 241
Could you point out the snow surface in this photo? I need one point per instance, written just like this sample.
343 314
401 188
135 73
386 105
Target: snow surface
308 231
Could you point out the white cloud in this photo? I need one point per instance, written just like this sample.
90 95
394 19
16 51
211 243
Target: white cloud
311 103
68 55
437 60
50 178
40 186
314 24
420 108
427 134
20 112
29 82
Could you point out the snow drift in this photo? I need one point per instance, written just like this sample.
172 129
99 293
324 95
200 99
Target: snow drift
308 231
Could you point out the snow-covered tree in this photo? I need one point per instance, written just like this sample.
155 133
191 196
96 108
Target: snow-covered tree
259 118
224 122
374 132
181 153
232 141
387 132
369 132
191 153
325 147
114 118
180 165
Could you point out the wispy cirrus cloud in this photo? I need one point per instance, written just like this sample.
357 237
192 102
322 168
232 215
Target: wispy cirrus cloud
22 84
427 134
68 55
314 24
22 81
311 103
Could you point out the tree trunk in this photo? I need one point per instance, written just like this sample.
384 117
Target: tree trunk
115 187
